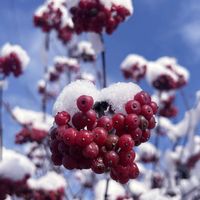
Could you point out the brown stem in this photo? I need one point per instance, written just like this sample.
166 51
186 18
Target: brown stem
106 190
1 121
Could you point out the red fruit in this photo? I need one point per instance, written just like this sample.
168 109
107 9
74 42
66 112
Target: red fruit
54 146
154 107
121 171
118 121
152 123
56 159
133 107
125 142
98 166
79 121
144 124
143 98
63 148
133 171
132 122
85 103
111 159
105 122
145 135
136 134
84 138
69 163
61 130
53 132
91 151
90 118
111 142
69 136
147 111
62 118
100 136
126 157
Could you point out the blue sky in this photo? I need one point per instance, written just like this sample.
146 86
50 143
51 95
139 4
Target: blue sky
157 28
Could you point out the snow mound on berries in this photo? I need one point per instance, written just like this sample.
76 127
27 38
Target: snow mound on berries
85 47
15 166
69 62
66 101
118 94
86 76
147 149
50 182
164 96
137 188
133 59
84 176
7 49
108 4
33 118
155 69
114 190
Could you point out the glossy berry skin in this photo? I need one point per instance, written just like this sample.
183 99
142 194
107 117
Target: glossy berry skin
118 121
131 122
62 118
91 151
126 157
84 138
143 98
133 107
105 122
79 121
144 123
136 134
145 136
100 136
85 103
56 159
152 123
147 111
125 142
69 163
111 159
154 107
111 142
133 171
98 166
90 118
69 136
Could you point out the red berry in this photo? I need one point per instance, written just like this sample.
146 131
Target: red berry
111 159
125 142
69 163
85 103
79 121
143 98
118 121
121 171
62 118
111 142
90 118
91 151
147 111
154 107
53 132
136 134
126 157
152 123
132 122
98 166
100 136
83 138
56 159
133 171
133 107
54 146
69 136
145 135
105 122
144 124
63 148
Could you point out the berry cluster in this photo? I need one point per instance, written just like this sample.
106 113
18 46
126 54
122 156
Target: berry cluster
11 64
93 16
103 143
30 135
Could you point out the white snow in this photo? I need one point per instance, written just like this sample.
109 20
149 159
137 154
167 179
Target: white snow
86 76
35 119
85 47
21 53
67 62
97 44
15 166
137 188
49 182
114 190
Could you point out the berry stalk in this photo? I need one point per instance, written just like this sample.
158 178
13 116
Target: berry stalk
1 123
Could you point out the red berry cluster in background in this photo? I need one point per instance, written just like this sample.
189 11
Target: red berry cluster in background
11 187
135 72
30 135
167 108
101 142
10 64
92 16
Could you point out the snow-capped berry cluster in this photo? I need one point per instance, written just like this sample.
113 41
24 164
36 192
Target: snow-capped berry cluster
30 135
53 15
99 15
86 76
13 59
134 67
103 141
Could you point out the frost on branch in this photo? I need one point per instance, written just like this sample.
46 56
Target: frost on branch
13 59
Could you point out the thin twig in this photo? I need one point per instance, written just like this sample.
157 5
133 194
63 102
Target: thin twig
1 121
106 190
